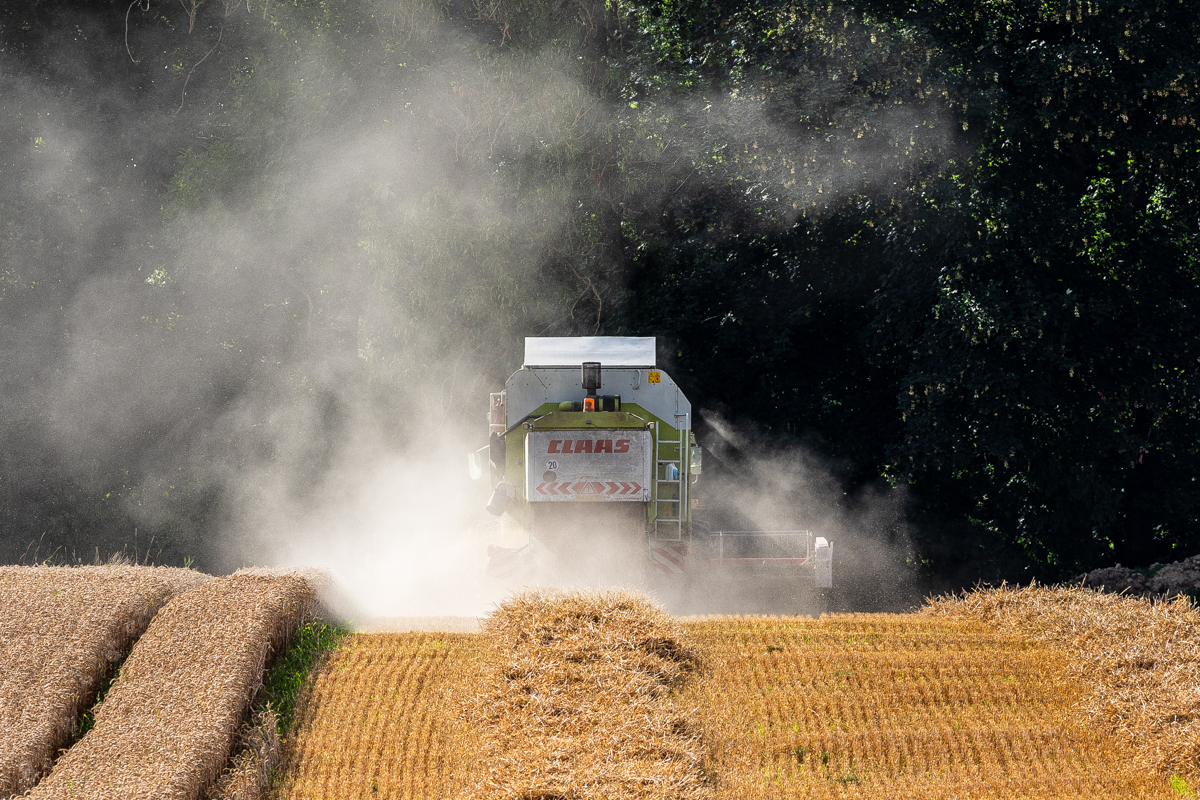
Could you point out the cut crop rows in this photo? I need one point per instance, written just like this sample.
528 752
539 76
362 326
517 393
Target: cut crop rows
1138 660
898 706
1001 694
849 706
378 720
563 695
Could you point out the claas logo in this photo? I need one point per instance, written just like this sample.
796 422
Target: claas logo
588 446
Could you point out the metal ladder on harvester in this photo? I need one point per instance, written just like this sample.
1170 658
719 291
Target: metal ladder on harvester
669 475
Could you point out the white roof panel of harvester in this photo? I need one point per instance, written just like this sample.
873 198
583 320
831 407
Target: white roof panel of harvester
572 351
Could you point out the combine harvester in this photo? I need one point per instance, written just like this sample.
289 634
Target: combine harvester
594 465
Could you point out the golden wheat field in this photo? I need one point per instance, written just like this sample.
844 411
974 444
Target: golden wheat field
62 631
898 706
1000 693
378 720
167 725
603 696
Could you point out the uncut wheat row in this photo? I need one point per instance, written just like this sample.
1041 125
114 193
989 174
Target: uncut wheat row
378 719
897 706
167 725
1139 660
62 632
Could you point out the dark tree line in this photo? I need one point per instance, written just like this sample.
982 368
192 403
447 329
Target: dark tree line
946 246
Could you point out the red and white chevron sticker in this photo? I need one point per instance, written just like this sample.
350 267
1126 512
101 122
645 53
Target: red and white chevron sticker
584 488
670 558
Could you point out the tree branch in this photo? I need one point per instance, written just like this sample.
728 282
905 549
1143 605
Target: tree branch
145 7
183 95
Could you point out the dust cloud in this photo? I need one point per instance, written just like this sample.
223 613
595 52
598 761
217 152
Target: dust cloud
284 355
864 150
753 483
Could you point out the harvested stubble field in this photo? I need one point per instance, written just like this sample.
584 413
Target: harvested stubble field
1002 693
1137 660
377 720
899 706
562 695
62 632
579 696
167 725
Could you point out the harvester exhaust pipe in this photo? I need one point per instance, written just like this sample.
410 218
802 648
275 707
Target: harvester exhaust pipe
590 377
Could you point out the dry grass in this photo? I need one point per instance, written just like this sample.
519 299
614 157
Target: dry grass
62 631
166 727
377 720
1139 659
898 706
576 700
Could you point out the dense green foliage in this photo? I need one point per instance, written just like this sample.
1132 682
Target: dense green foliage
949 246
1012 330
282 682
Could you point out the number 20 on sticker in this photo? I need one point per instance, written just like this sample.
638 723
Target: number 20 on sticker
654 376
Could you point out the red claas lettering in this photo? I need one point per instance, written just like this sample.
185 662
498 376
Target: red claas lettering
598 446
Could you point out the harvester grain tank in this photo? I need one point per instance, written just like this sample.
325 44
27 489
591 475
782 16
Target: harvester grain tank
591 452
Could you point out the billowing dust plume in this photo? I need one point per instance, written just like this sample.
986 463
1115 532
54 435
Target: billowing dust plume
281 294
